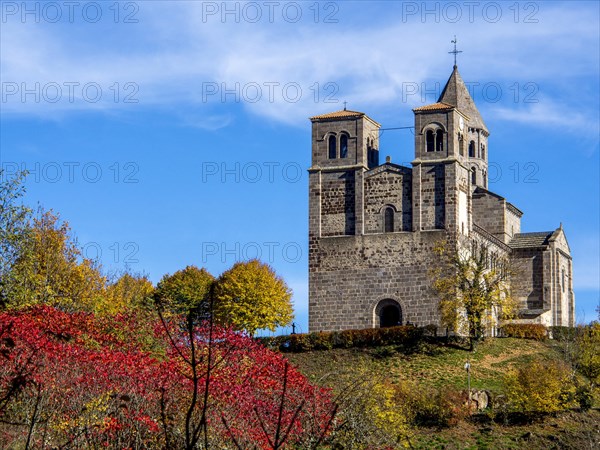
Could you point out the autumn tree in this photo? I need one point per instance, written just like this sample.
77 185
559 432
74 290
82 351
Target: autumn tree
128 291
472 291
14 230
52 270
185 292
250 296
587 352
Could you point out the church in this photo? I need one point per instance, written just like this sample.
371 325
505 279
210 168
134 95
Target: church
373 227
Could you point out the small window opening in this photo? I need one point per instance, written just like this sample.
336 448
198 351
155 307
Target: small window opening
472 149
332 149
343 146
430 138
389 220
439 141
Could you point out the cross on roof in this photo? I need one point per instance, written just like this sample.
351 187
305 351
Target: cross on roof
455 52
345 105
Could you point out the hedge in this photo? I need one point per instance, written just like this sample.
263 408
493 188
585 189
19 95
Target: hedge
408 336
534 331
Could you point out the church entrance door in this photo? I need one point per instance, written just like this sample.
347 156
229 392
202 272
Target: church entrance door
389 313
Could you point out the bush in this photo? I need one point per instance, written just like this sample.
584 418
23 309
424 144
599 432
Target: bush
563 333
433 407
540 387
587 352
320 341
370 415
534 331
585 397
408 337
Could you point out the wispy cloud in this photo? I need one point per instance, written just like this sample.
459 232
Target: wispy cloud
548 113
174 54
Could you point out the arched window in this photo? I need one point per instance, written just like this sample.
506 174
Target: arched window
484 179
473 176
388 220
563 280
343 146
439 141
332 149
482 151
472 149
430 138
461 142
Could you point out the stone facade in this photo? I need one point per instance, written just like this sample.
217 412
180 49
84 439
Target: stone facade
373 227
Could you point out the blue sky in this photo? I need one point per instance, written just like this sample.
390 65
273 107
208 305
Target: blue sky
175 133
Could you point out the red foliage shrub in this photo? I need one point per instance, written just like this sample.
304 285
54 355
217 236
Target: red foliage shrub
83 381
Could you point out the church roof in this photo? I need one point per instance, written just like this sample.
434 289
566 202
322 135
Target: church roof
455 93
439 106
342 114
530 240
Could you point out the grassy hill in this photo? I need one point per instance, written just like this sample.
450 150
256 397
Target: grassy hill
439 366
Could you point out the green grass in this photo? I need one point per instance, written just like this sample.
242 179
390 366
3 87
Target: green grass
443 366
438 366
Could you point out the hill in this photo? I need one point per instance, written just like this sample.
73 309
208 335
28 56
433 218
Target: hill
442 367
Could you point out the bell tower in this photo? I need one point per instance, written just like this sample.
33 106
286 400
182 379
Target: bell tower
472 131
450 159
345 144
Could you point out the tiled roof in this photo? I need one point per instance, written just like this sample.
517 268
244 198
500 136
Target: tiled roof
439 106
530 240
344 113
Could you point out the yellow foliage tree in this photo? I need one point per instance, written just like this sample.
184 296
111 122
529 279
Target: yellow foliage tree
250 296
14 230
390 415
185 292
471 290
129 291
52 270
587 352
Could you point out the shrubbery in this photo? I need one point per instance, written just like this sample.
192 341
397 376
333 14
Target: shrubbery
534 331
540 387
563 333
77 380
407 336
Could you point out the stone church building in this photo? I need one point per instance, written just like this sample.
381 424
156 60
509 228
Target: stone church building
373 227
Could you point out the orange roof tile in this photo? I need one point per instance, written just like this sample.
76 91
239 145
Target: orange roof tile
435 106
344 113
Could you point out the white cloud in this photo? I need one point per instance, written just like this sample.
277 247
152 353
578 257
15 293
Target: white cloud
172 52
548 113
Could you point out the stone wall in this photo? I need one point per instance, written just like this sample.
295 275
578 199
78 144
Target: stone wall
349 275
388 185
337 203
528 282
432 193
